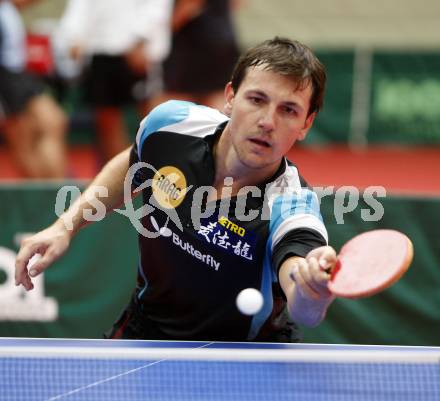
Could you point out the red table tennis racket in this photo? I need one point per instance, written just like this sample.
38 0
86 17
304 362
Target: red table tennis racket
370 262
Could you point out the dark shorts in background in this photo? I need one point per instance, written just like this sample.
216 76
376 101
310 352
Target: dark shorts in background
198 67
16 90
108 81
203 51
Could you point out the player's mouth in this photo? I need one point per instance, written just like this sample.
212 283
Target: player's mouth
260 142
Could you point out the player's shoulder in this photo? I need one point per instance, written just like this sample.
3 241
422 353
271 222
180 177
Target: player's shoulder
293 205
166 114
181 117
290 194
290 180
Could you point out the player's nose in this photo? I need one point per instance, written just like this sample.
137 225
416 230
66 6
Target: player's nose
266 121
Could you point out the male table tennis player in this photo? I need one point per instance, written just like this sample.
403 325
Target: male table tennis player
190 274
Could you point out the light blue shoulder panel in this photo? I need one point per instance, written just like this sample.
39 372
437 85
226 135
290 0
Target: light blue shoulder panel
166 114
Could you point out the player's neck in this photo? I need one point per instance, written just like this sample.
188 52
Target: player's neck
228 164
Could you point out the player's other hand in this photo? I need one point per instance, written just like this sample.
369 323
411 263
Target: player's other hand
50 243
312 273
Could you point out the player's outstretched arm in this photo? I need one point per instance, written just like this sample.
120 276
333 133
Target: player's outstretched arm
304 282
54 241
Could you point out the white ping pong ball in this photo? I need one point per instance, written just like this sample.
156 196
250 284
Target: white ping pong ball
249 301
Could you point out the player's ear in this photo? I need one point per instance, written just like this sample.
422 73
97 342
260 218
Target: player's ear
229 99
307 125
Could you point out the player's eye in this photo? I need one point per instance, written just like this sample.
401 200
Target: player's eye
290 110
256 99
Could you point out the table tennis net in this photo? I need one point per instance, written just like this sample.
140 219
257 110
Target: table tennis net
219 375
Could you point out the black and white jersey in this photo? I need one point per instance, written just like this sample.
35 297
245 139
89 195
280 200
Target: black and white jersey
196 256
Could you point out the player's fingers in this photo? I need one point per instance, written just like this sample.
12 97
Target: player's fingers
314 276
325 255
24 255
327 259
295 268
300 276
24 280
318 278
50 255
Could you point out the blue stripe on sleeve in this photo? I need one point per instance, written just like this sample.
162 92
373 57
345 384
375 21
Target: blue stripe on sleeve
269 276
286 205
306 202
168 113
266 290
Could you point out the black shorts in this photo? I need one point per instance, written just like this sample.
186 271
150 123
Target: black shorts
16 90
199 67
132 324
109 81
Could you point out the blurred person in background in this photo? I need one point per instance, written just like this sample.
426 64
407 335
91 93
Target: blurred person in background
33 124
120 43
203 52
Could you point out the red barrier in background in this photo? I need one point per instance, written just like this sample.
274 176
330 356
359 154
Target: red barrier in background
401 170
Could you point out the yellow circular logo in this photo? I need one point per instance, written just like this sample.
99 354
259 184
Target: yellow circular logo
169 187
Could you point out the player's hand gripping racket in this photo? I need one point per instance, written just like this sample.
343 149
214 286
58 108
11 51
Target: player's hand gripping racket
370 262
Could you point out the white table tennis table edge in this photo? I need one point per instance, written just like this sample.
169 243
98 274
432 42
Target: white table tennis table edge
91 342
387 355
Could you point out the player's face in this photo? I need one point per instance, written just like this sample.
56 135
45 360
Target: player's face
268 114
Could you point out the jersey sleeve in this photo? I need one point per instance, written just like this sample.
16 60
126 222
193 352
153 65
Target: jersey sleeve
296 226
297 242
138 177
180 118
174 117
161 117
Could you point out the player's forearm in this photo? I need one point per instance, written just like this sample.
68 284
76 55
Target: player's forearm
305 311
103 195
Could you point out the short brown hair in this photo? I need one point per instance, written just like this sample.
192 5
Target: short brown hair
287 57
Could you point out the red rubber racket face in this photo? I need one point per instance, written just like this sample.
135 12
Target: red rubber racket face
370 263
